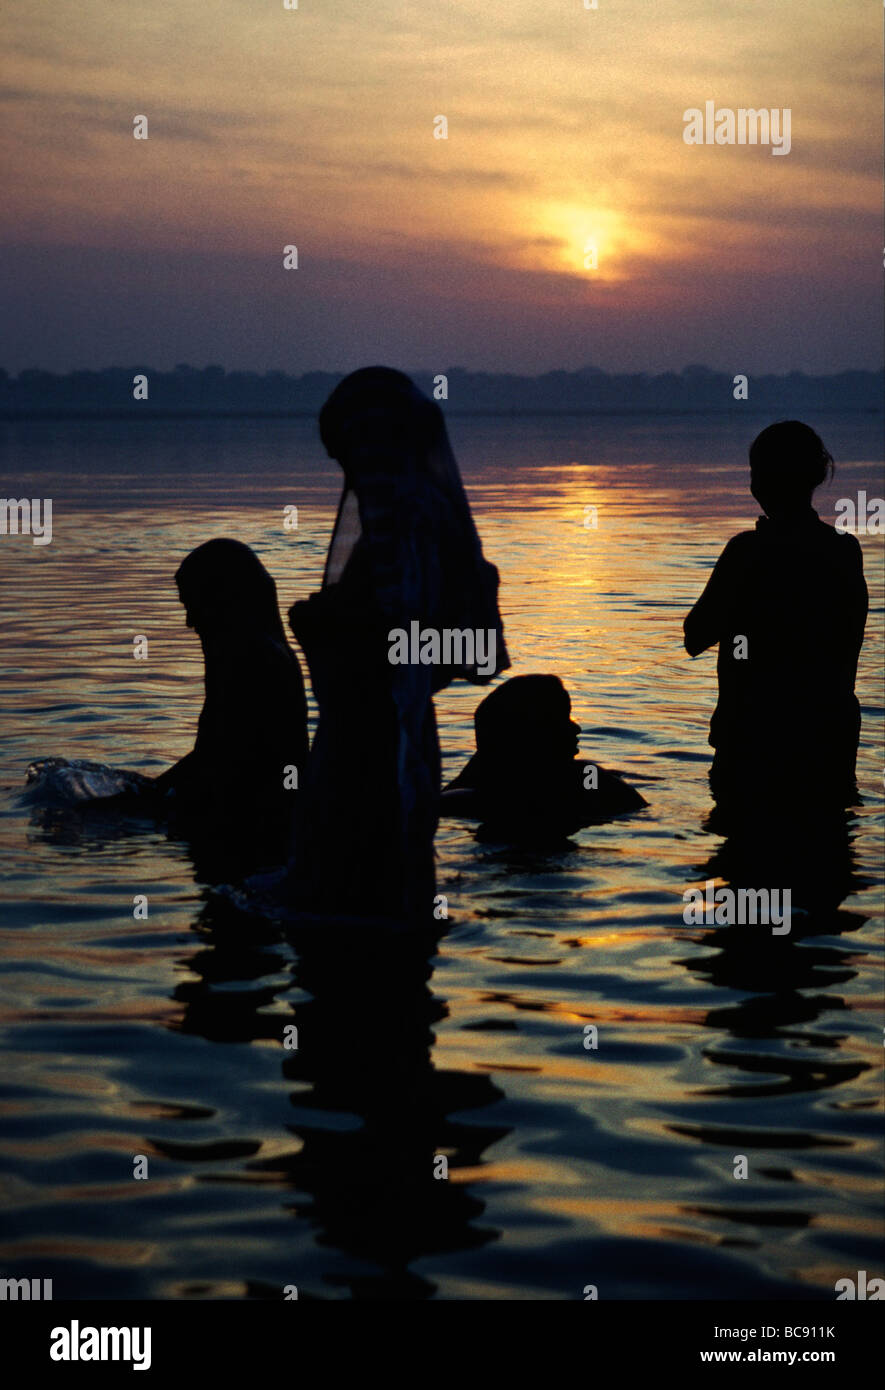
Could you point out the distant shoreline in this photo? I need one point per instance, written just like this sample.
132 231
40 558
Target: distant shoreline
135 412
119 393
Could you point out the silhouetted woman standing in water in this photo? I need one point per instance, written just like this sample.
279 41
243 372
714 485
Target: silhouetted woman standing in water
786 603
404 550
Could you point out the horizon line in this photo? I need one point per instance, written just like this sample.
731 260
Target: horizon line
588 369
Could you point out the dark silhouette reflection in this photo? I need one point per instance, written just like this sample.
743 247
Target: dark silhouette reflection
218 853
405 562
524 782
787 604
86 823
789 982
256 962
373 1111
793 979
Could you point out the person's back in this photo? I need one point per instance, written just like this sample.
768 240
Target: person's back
787 604
253 725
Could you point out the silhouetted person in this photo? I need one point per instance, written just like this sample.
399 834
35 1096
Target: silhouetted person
524 781
404 552
253 725
787 604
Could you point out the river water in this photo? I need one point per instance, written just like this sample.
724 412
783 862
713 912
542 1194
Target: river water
567 1166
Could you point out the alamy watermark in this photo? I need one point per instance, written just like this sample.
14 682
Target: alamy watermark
24 518
741 907
745 126
862 515
450 646
26 1290
872 1290
76 1343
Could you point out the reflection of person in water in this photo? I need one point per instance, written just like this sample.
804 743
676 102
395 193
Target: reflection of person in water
371 1113
253 726
524 781
404 551
775 1021
787 605
375 1187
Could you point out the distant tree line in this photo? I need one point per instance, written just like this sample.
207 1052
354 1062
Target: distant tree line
213 391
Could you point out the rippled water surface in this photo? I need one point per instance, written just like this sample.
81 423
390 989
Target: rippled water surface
567 1166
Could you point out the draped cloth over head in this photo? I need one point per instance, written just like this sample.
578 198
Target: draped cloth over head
405 542
402 487
224 577
253 723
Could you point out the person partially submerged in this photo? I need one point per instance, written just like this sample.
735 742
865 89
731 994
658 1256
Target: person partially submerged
242 774
524 781
787 604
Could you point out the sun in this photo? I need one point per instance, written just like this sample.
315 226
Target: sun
585 240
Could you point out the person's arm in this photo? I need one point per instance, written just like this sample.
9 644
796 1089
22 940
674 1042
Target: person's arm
705 623
460 801
177 776
859 598
340 633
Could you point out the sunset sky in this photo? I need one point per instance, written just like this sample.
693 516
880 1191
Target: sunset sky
314 127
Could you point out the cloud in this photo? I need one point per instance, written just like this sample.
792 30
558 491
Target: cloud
315 126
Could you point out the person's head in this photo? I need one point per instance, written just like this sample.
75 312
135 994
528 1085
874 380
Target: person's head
377 419
528 717
225 589
788 461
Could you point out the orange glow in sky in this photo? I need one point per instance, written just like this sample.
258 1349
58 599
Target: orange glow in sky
316 127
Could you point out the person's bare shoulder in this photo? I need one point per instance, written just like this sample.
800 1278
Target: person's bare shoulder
850 545
740 544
